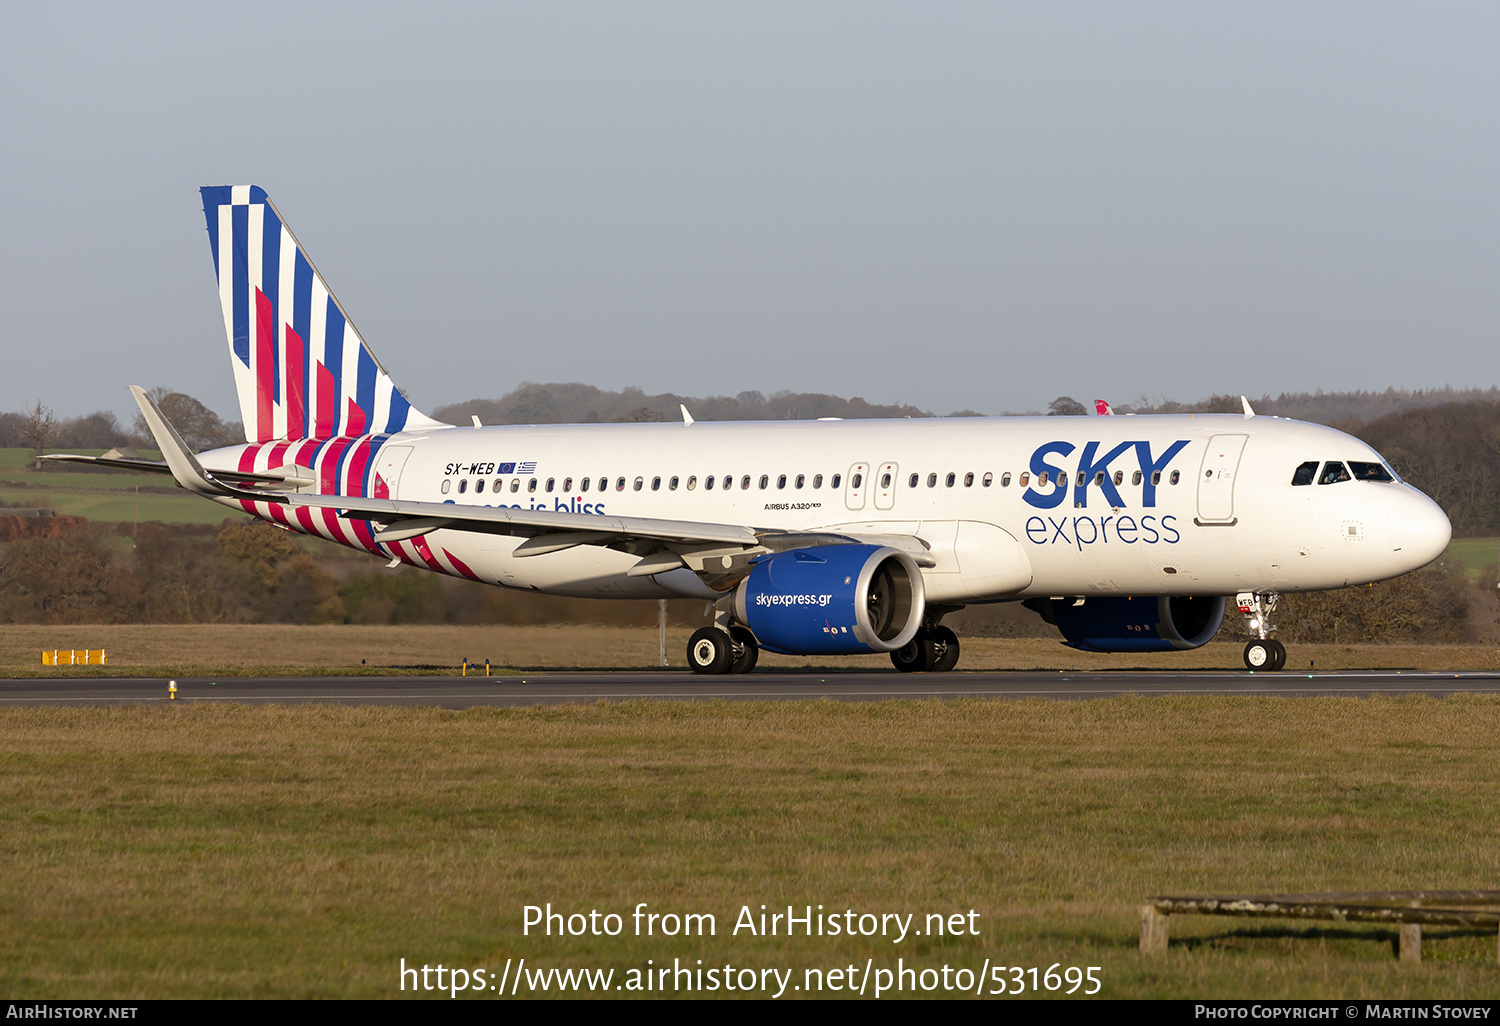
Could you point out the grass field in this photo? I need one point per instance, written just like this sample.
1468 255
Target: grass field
234 649
1475 555
290 852
109 496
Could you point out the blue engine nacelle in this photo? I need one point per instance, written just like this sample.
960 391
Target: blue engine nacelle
1152 623
832 600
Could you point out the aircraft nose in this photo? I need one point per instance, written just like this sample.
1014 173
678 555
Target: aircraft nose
1419 529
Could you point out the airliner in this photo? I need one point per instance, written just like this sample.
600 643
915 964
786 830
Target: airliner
827 537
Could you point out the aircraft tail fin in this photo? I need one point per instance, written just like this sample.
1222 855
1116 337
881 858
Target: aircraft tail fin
300 367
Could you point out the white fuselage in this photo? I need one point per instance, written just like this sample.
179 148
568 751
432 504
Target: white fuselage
1223 517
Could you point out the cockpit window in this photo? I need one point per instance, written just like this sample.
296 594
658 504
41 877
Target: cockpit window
1305 473
1370 471
1333 473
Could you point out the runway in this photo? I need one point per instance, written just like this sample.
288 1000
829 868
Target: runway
678 685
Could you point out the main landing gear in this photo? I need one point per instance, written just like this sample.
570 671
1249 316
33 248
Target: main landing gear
1263 652
933 650
716 650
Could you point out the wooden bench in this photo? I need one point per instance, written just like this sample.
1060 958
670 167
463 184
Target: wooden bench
1408 909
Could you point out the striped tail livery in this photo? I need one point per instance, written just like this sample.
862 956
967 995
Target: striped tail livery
300 367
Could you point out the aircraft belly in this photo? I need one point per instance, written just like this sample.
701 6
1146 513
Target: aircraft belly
584 571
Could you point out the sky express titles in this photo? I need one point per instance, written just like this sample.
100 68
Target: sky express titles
1093 470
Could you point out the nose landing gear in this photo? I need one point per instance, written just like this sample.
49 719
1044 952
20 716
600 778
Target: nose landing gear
1263 652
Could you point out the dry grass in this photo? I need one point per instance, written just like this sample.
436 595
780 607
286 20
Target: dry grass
259 648
211 850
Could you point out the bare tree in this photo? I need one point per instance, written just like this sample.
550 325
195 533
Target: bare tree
37 426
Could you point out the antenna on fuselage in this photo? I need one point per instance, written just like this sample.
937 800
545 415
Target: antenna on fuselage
687 418
1246 404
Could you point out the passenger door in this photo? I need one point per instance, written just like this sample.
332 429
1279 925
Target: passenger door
1221 461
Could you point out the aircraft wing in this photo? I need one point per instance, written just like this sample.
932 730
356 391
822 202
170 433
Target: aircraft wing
278 476
709 549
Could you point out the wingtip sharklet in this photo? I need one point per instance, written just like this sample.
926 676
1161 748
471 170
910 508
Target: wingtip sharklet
186 469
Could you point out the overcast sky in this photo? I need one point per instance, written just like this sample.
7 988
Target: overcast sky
954 205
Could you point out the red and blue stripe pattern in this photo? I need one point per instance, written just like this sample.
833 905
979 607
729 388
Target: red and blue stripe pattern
341 466
301 368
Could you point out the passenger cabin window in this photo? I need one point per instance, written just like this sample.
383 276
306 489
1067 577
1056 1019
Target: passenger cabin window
1119 478
692 482
446 486
969 479
1370 471
1155 477
885 480
639 482
801 480
708 482
530 485
1041 479
911 482
567 484
834 483
583 485
463 486
988 479
479 485
818 481
781 481
1025 479
728 482
515 485
550 482
1176 476
1005 480
855 481
950 479
1333 473
931 480
1305 473
765 481
745 483
1135 478
620 484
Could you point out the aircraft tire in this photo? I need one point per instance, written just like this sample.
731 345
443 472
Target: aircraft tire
709 650
946 644
916 656
1260 655
745 651
1279 652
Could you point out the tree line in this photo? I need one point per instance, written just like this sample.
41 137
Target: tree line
39 428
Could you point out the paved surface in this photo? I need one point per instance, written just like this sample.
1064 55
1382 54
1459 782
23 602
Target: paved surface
466 692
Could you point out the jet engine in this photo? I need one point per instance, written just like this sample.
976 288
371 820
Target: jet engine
1151 623
832 600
